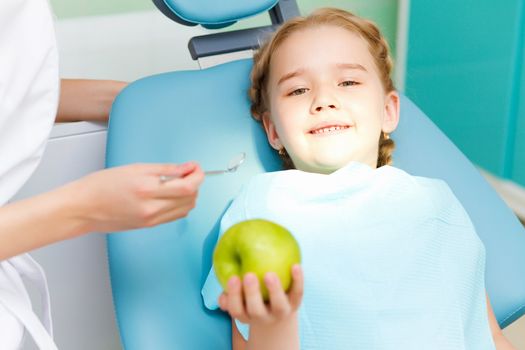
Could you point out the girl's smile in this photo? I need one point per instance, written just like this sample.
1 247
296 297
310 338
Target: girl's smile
329 128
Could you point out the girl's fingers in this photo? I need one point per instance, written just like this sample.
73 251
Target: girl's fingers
254 303
295 295
235 302
279 304
244 301
223 302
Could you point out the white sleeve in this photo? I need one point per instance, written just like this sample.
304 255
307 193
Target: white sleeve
29 87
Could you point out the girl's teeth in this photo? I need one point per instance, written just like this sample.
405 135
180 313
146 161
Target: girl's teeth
330 129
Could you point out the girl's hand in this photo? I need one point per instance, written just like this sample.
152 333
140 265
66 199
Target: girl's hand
244 302
132 196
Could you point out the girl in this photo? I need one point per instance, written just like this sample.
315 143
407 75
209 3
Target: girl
391 261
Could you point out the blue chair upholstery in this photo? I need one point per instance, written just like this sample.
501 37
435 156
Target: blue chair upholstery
214 12
157 273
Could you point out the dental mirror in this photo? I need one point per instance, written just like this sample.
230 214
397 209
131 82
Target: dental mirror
234 163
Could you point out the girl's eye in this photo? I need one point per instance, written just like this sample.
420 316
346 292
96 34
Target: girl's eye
348 83
297 92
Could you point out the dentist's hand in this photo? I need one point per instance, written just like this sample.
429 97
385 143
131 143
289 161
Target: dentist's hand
133 196
111 200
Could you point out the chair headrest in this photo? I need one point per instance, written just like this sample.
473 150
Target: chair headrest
212 13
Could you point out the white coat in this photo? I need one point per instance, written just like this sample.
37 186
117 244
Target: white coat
29 87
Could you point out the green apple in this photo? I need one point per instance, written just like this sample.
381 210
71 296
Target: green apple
257 246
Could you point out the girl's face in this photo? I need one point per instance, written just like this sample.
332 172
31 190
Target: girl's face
327 104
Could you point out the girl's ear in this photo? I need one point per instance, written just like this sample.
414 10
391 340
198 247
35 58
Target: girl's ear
271 132
391 115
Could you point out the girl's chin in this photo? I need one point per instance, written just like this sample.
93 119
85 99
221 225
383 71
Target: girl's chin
325 167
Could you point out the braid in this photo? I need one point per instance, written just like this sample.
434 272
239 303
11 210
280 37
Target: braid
386 148
258 82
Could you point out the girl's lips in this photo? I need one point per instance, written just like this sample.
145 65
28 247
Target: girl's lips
328 129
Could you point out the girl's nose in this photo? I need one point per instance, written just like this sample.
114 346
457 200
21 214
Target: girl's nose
324 101
321 107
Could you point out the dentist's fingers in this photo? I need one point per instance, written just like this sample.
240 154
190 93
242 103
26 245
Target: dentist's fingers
279 304
184 185
254 302
170 210
295 294
132 196
173 170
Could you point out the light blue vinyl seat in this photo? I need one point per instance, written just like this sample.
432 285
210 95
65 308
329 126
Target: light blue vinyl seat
157 273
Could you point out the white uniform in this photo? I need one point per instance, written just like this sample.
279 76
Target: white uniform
29 87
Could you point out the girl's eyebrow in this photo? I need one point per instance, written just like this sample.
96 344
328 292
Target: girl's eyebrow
290 75
351 66
300 71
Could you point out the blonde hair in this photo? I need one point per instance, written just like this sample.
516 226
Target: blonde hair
377 46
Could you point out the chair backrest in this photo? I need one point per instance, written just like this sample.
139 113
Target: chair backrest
157 273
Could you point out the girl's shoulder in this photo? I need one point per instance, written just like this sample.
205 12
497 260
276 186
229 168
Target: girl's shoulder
431 185
436 193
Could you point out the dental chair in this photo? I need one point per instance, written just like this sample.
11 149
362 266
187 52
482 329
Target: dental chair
203 115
